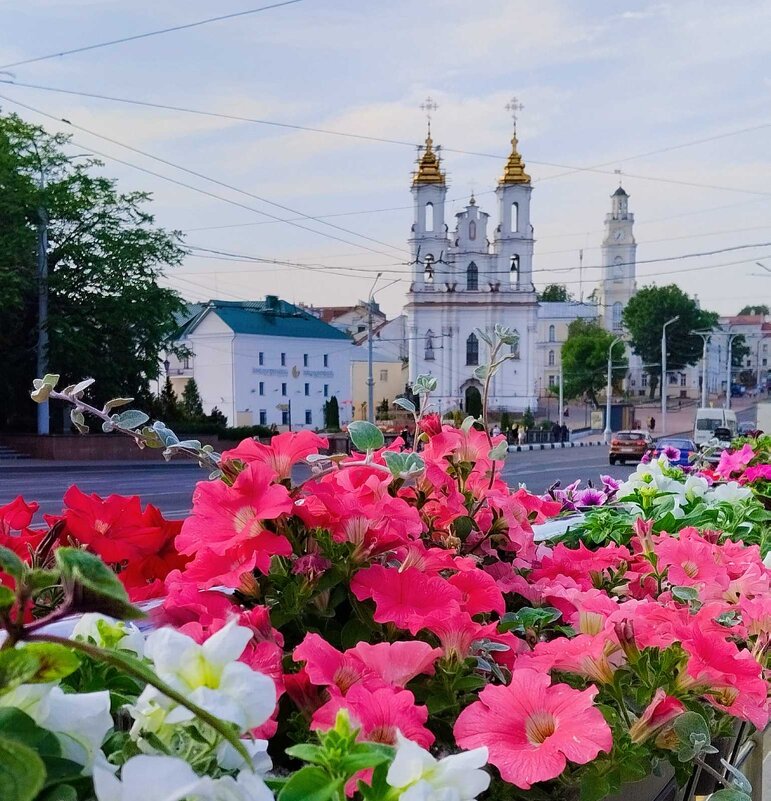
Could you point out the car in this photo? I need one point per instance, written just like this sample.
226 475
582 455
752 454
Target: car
721 440
747 427
677 449
631 444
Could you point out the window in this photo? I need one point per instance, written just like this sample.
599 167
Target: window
617 311
618 267
260 358
472 230
552 380
326 390
428 272
765 362
429 216
682 380
472 276
263 417
283 390
644 380
360 329
326 360
307 389
472 350
384 375
283 359
429 351
551 358
514 217
262 387
305 359
552 334
285 417
514 269
308 417
186 362
672 378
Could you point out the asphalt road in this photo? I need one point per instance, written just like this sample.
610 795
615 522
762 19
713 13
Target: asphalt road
170 486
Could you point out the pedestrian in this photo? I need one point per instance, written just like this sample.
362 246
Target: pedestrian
555 432
514 438
405 435
651 424
496 432
522 435
565 433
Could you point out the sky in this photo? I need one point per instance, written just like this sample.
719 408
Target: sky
627 85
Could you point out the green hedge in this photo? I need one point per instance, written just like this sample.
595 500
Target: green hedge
212 429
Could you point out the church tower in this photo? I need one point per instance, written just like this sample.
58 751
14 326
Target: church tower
618 261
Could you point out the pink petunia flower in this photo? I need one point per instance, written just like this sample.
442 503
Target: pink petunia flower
662 709
285 451
533 728
456 631
328 667
595 657
479 591
734 461
396 663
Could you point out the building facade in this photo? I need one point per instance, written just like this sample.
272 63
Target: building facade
467 279
266 363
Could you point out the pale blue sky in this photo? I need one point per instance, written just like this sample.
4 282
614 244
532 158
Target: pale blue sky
601 81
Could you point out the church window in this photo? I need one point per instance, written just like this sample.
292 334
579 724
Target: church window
551 358
552 334
552 380
428 273
472 230
472 350
514 217
514 270
472 276
515 347
429 349
429 216
617 311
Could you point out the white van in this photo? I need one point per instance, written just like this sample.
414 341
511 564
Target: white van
708 419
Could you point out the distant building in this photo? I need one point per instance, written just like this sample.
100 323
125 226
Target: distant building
756 330
265 362
354 320
554 318
389 375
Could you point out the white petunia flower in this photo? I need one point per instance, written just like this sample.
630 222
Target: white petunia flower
209 676
731 492
107 632
229 759
421 777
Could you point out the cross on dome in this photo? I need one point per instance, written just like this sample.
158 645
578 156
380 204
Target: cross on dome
514 107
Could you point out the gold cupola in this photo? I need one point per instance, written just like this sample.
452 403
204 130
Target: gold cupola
428 171
514 171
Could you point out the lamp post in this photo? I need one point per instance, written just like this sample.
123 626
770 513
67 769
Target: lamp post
609 390
664 372
705 335
561 400
729 357
370 376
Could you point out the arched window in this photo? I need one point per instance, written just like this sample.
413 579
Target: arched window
429 350
617 311
551 358
429 216
472 230
514 269
428 274
472 350
514 217
552 336
472 276
618 267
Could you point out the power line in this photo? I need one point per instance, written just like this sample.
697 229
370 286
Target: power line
148 34
216 181
570 168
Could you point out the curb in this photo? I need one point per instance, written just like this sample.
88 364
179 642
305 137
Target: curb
544 446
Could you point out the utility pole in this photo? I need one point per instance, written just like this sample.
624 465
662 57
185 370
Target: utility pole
705 335
561 400
664 387
370 376
729 366
609 391
42 297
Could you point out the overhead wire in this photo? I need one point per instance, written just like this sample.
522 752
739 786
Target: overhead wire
148 34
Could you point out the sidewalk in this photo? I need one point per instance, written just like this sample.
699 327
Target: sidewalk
680 421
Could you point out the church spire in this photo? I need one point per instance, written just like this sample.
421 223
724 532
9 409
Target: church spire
514 171
428 171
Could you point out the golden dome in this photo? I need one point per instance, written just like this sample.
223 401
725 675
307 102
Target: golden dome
514 171
428 171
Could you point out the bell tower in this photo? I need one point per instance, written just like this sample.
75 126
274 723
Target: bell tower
618 261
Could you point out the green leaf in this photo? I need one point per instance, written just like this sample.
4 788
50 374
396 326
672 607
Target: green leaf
729 794
424 385
499 452
22 773
693 735
51 380
62 792
467 423
463 526
79 421
306 752
96 588
361 760
82 386
685 594
7 597
17 666
10 563
54 661
481 371
529 618
406 404
41 394
114 403
133 418
310 784
403 464
365 436
594 787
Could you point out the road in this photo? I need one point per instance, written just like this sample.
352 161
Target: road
170 486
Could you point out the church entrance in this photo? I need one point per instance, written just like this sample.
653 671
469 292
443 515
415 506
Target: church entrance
473 401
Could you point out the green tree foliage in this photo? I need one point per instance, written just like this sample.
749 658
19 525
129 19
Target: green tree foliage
760 309
740 350
191 401
170 407
332 414
217 417
644 317
555 293
585 360
528 421
107 314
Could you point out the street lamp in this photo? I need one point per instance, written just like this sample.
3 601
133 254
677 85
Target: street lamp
664 372
370 377
731 338
609 390
705 335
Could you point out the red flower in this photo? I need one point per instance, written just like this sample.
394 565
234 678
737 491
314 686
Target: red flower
431 424
662 709
479 591
285 451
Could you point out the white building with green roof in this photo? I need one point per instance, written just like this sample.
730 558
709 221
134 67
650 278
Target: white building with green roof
265 362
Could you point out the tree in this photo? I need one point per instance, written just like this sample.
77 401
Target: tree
644 317
585 360
217 417
528 421
170 407
760 309
555 293
740 350
191 401
108 317
332 414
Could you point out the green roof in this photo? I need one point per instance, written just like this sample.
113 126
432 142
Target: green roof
270 317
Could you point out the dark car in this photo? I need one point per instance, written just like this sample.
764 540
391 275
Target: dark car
677 449
630 445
